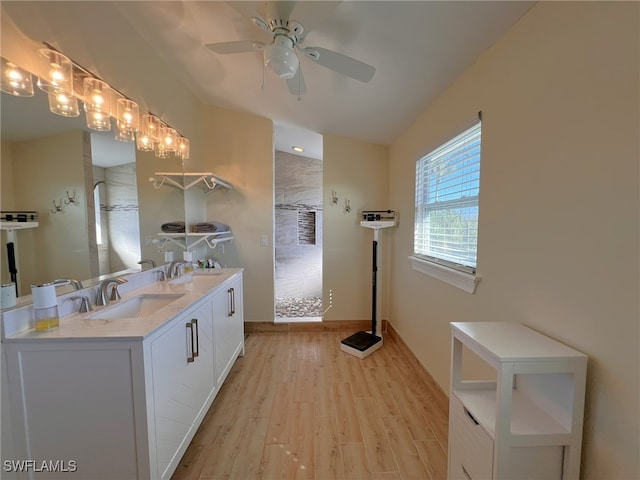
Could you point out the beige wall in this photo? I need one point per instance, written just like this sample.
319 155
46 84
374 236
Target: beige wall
239 148
558 227
357 171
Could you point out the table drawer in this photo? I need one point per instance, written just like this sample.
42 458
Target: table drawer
470 447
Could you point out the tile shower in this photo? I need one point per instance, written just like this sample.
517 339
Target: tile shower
298 237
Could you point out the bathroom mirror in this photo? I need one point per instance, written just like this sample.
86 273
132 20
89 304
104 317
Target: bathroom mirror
66 172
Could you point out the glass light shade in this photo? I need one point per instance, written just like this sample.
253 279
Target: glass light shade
183 148
151 127
169 139
97 120
15 80
281 58
124 135
128 115
97 96
161 150
60 75
144 143
63 104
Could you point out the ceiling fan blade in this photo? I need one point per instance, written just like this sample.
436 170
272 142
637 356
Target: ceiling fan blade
239 46
340 63
296 84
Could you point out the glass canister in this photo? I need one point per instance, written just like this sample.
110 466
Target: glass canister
45 306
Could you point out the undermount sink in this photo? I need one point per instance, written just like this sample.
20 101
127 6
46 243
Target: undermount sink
140 306
190 277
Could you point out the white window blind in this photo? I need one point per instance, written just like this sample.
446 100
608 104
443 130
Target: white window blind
447 189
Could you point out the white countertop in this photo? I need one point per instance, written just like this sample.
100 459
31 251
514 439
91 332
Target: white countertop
80 327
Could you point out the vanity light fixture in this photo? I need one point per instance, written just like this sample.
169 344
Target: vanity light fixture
127 115
63 104
148 131
169 138
161 150
97 104
124 135
295 148
15 80
183 148
60 75
144 143
151 127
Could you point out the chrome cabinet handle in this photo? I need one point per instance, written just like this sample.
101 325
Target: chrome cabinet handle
232 302
196 352
191 358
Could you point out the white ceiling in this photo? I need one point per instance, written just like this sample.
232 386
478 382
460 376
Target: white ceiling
418 49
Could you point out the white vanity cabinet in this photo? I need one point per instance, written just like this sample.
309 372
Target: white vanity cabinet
121 406
525 424
228 328
182 382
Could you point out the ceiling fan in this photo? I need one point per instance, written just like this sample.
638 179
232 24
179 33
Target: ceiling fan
288 34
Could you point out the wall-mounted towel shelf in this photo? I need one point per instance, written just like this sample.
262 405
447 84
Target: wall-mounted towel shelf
207 180
211 239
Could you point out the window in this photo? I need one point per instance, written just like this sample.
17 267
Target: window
447 189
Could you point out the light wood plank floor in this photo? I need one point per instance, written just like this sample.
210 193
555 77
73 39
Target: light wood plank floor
297 407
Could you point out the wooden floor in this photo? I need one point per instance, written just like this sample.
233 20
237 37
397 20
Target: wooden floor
296 406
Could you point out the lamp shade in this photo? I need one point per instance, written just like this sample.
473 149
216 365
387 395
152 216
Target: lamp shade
15 80
280 57
128 115
63 104
60 74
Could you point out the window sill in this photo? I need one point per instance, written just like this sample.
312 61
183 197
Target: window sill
461 280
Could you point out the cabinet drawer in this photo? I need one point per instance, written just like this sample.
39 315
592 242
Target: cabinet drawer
470 447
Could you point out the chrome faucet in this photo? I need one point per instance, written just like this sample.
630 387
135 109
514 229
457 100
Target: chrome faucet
77 284
85 305
150 262
174 267
102 299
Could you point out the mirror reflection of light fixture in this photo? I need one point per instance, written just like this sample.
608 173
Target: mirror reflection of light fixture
144 143
169 138
151 127
96 120
183 148
15 80
161 150
60 75
281 58
63 104
124 135
127 114
295 148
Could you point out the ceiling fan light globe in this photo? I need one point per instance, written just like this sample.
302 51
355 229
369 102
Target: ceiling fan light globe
281 60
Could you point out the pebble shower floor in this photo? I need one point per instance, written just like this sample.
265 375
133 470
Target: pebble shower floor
298 307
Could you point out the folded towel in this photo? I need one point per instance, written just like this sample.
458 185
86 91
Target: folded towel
173 227
203 227
210 227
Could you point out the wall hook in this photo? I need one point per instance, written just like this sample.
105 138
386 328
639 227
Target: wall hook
347 206
334 197
71 198
56 208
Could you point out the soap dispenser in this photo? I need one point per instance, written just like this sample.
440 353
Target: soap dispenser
45 306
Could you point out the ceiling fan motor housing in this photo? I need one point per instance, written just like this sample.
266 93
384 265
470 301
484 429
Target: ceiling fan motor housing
280 57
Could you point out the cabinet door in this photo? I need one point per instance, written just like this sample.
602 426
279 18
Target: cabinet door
182 362
228 328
